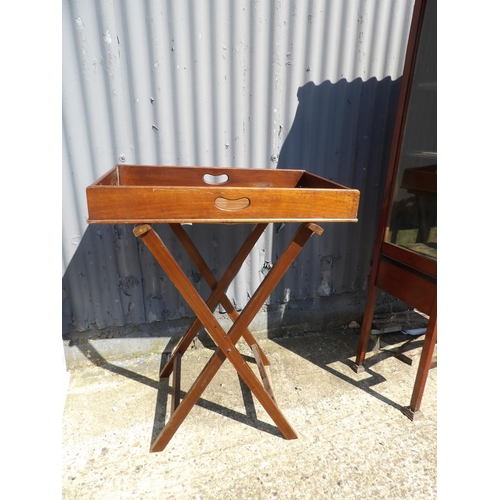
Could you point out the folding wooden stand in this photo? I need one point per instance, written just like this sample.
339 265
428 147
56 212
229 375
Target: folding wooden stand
225 341
144 195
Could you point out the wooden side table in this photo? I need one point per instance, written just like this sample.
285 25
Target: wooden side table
146 195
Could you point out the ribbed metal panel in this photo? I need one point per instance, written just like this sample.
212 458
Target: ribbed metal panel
278 84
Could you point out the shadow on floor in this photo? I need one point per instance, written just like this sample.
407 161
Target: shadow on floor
162 385
341 347
322 350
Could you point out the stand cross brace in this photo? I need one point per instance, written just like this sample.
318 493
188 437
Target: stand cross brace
219 294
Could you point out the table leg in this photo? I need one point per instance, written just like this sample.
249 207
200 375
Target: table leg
226 343
208 276
217 292
176 384
425 364
366 326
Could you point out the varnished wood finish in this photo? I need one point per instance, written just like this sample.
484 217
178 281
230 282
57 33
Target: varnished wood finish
413 288
429 303
162 194
366 325
403 273
262 370
217 292
205 271
409 258
144 195
426 359
225 343
158 175
176 383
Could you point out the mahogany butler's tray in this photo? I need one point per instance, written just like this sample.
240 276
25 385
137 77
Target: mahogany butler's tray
143 195
164 194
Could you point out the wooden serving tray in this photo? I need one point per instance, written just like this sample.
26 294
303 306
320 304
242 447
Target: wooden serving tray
164 194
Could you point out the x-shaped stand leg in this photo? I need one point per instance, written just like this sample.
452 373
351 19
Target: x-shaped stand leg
225 342
218 290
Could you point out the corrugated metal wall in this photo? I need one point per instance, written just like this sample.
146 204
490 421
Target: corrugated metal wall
278 84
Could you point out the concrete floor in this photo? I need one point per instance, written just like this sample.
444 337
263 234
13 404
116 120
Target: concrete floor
354 442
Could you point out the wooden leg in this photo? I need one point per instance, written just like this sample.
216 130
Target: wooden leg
205 271
176 384
366 326
262 370
217 292
225 342
425 364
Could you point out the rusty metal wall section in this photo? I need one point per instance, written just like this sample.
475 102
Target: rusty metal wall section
268 84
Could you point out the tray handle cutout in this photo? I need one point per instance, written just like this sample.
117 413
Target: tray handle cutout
232 205
215 179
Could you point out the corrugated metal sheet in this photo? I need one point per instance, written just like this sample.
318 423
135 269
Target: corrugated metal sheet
278 84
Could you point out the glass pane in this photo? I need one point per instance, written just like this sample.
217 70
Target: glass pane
413 222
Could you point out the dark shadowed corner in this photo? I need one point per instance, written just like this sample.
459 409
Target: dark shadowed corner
341 131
